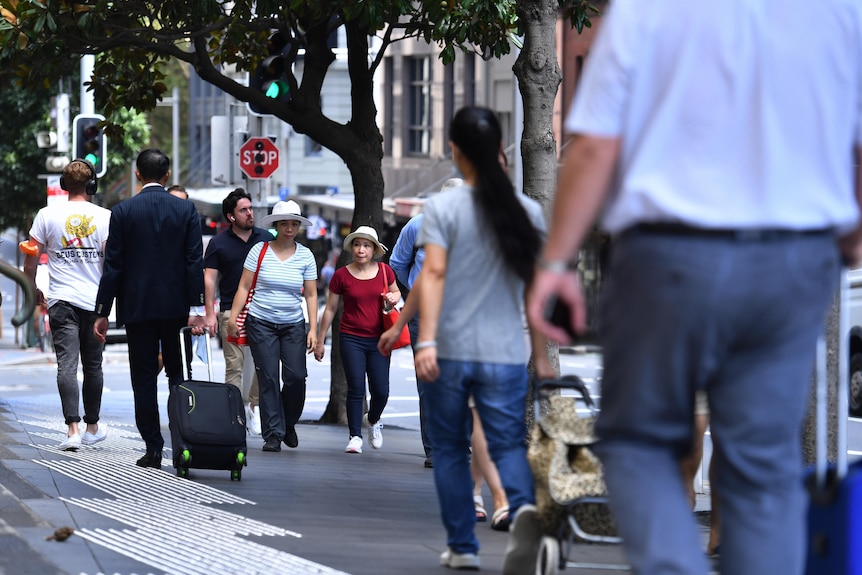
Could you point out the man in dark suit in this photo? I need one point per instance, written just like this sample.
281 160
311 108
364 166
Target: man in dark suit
154 267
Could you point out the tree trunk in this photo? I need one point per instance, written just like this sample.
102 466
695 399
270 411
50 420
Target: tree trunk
364 159
539 78
809 450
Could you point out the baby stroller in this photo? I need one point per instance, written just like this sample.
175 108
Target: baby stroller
570 490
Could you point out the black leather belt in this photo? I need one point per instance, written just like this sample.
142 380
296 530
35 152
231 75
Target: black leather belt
742 234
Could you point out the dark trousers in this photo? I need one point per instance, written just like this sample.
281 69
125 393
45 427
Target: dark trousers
413 326
144 339
273 345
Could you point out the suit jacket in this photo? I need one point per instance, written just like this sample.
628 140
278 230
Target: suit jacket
153 259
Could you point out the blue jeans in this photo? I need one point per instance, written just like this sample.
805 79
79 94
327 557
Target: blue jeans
740 319
500 392
271 343
359 356
72 333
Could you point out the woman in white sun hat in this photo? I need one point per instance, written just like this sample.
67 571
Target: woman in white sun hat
361 283
276 324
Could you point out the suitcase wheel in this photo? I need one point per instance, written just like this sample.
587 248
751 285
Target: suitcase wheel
185 456
182 471
240 460
236 474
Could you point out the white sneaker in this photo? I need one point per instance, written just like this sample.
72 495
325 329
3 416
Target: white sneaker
462 561
94 438
252 419
71 443
354 445
376 432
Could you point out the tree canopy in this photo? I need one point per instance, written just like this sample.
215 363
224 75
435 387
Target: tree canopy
133 39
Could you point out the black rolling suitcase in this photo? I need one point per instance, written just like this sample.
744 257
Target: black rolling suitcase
207 420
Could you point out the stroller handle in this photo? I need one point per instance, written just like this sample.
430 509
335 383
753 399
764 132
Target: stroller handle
566 382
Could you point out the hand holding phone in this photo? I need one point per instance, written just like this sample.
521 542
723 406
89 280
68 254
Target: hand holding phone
558 313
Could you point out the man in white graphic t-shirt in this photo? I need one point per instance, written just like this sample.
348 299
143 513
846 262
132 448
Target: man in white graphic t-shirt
73 235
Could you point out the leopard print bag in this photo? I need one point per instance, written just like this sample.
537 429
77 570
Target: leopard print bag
564 467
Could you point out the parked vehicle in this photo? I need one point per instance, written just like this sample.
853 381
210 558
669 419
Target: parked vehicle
855 373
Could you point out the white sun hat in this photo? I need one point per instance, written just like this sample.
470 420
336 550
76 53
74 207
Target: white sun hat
367 233
281 211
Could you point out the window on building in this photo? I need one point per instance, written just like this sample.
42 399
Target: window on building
419 106
312 149
311 190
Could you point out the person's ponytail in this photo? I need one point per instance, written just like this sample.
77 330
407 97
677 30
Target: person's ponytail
477 134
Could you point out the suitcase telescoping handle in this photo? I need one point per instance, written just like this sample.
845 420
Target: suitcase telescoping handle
820 469
187 353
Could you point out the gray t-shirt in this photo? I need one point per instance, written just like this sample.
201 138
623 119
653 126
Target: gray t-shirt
482 316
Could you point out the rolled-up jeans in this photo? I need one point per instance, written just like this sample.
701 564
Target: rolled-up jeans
72 333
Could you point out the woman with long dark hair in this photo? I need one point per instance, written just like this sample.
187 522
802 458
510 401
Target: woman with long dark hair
481 242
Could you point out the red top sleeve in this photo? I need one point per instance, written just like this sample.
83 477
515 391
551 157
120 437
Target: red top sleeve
362 301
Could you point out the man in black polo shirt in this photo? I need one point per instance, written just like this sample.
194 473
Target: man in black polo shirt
224 259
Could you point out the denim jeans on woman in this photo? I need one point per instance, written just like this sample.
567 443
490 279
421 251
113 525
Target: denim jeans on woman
72 333
270 344
500 392
359 355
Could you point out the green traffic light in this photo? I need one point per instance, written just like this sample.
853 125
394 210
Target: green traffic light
93 159
277 89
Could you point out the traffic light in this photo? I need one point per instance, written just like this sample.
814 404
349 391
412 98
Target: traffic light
88 141
270 77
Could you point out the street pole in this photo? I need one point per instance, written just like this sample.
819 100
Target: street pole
256 187
174 102
88 63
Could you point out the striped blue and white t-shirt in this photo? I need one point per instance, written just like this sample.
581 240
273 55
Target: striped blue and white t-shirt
278 293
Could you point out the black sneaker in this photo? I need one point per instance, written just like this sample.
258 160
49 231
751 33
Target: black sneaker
290 438
272 444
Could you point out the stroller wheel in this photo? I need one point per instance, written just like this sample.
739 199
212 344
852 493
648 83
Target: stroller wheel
548 560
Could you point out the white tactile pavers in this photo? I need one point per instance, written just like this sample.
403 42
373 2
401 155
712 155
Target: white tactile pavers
207 541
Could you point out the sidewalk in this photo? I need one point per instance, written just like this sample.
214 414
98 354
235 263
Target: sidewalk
310 510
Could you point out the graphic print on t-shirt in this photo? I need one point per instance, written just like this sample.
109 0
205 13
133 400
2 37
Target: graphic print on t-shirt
78 227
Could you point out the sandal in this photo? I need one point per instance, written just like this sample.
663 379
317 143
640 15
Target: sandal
500 520
481 514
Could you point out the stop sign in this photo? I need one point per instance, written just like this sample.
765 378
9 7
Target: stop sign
258 158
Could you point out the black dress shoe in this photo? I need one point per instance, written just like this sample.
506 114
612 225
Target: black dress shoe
272 444
290 438
150 460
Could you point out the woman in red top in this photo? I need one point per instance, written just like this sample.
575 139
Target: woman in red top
363 284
